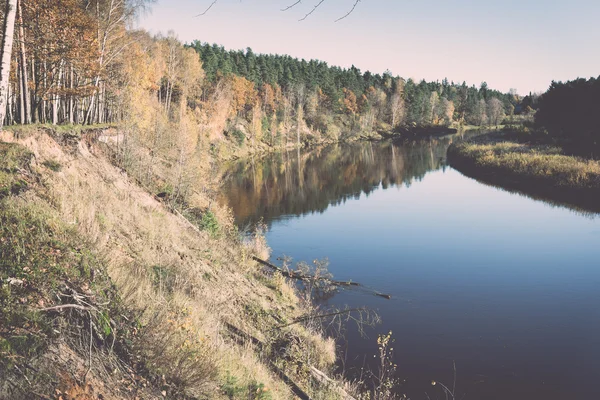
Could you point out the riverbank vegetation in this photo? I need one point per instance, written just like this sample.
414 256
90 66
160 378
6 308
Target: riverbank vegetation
537 169
554 156
105 291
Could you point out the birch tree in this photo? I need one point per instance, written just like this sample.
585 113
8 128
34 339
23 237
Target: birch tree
495 110
5 55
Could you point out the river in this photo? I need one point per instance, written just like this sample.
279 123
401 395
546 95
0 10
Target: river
505 286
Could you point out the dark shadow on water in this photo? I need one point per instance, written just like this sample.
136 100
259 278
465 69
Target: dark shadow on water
588 207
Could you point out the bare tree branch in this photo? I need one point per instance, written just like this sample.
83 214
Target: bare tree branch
313 10
315 7
207 10
292 5
349 12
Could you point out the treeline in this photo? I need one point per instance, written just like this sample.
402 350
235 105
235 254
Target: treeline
369 100
76 62
568 112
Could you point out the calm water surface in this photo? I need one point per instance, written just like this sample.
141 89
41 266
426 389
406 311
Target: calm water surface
506 286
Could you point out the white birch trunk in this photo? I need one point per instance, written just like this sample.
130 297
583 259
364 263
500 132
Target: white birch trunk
5 55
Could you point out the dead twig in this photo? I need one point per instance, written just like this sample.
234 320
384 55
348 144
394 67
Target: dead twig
207 10
300 276
292 5
90 353
320 316
349 12
66 306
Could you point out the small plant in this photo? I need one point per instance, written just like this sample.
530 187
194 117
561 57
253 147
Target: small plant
52 165
231 388
163 279
317 284
449 394
386 382
104 324
258 391
210 224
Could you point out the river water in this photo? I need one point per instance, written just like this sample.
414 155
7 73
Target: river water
505 286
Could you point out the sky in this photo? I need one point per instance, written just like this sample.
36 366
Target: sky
521 44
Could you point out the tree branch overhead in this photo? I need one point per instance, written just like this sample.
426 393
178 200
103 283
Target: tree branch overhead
293 5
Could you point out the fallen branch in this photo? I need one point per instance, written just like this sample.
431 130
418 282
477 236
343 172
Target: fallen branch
300 276
319 316
322 378
194 227
64 306
317 375
240 334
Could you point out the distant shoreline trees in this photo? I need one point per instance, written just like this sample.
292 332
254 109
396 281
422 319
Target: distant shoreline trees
372 100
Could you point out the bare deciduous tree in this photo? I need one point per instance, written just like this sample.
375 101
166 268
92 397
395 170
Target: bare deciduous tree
293 5
495 110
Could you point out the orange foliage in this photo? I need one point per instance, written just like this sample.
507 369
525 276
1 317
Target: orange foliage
244 93
350 105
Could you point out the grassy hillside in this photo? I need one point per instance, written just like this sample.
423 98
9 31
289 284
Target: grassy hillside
107 291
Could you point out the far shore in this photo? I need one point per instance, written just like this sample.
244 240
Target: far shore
537 170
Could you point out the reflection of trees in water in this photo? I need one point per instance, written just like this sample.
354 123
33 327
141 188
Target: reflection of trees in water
296 183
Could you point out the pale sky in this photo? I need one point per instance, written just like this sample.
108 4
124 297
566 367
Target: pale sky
522 44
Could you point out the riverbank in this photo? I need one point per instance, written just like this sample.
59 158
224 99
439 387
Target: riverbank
260 149
538 170
106 290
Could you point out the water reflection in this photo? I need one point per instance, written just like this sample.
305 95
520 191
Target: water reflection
297 183
504 286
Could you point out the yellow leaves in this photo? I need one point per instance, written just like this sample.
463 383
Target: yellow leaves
349 102
244 93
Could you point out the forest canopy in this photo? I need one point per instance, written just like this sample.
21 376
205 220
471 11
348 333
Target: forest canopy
568 111
76 62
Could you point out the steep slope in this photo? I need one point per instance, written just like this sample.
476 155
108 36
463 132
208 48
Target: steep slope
87 253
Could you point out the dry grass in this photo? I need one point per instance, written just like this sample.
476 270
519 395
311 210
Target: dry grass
183 284
535 161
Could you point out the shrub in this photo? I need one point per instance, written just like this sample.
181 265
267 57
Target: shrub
210 223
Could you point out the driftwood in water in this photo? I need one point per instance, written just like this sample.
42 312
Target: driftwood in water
301 276
317 375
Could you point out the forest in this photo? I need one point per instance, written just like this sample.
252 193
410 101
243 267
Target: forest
373 98
567 113
76 62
